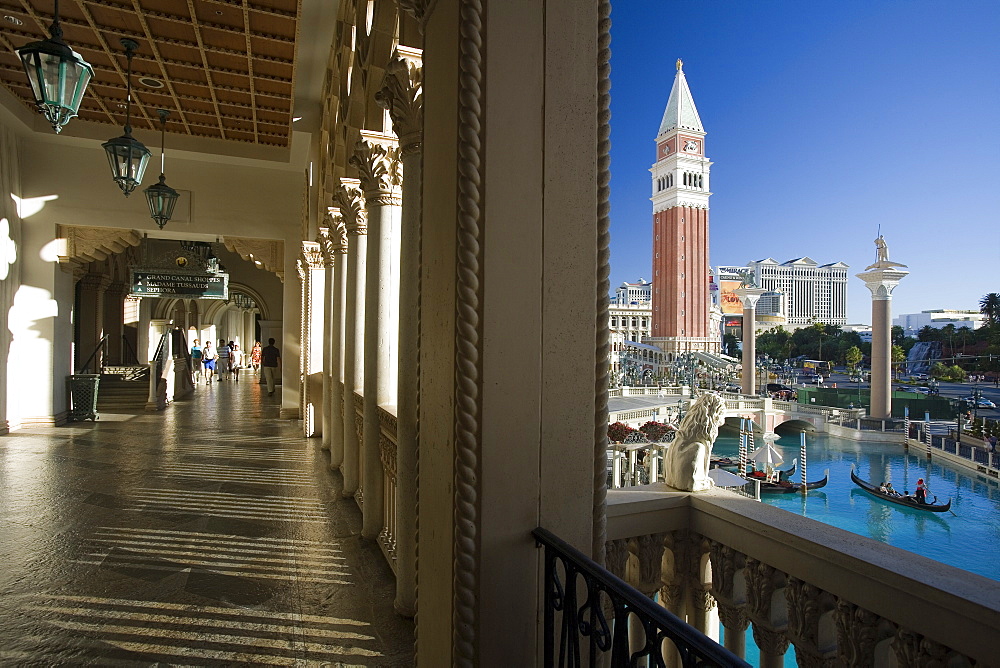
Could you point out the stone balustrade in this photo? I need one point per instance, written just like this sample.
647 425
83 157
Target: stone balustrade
720 561
387 454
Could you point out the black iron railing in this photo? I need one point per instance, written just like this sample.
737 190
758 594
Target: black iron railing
599 626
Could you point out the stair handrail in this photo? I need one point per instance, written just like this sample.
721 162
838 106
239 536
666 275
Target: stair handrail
84 368
134 358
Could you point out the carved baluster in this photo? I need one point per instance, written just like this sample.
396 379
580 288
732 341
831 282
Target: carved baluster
646 576
913 649
768 611
811 626
859 635
729 591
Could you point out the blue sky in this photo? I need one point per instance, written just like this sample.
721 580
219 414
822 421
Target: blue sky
824 120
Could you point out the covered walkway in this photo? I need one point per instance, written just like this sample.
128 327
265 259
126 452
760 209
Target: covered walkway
211 533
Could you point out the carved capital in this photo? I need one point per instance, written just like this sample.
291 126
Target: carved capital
351 204
616 556
312 255
814 640
649 553
734 618
858 632
670 596
726 563
913 649
763 582
378 170
418 9
337 231
402 95
326 246
770 641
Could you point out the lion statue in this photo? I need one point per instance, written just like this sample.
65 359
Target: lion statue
686 462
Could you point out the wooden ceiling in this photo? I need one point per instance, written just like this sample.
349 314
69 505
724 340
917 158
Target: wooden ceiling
224 68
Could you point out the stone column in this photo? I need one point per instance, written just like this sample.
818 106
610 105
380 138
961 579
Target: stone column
313 275
90 319
768 611
338 295
326 248
749 297
379 171
402 95
730 593
882 281
348 196
114 320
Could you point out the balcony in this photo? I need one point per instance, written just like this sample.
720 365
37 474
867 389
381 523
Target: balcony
724 562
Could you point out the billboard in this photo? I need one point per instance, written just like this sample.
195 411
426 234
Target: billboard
729 302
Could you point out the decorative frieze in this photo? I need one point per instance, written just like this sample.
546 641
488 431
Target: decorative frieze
84 245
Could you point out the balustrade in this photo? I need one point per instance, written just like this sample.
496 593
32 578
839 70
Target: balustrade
834 597
387 454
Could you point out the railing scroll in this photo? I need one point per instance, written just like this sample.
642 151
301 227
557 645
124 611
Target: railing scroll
588 624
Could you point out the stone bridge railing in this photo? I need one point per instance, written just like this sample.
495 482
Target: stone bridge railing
721 561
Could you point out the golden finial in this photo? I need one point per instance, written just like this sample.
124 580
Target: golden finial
680 63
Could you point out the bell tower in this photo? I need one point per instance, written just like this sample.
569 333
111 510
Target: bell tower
680 299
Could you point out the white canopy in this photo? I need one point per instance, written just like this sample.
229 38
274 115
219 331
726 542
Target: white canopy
723 478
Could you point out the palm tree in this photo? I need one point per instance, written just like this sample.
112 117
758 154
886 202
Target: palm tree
989 306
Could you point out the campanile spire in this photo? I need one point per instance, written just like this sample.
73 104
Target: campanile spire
680 299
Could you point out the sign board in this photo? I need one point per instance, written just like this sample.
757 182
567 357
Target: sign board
729 301
178 285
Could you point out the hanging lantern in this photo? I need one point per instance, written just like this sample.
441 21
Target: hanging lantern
161 197
58 75
126 155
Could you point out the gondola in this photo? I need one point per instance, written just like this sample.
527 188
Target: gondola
786 487
908 501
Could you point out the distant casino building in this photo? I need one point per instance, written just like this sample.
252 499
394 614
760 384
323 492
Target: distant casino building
630 323
800 292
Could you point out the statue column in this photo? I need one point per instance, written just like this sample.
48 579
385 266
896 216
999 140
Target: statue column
882 278
114 321
749 296
90 317
313 314
379 172
402 95
348 196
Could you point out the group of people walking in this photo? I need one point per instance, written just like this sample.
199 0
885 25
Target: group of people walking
227 360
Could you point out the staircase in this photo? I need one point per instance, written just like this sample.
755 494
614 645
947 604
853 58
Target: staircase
123 387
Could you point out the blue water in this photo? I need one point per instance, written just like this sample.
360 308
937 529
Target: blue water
944 537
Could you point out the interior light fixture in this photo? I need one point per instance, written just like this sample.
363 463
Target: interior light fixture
127 156
58 75
161 197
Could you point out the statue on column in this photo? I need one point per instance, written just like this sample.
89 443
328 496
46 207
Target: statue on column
748 279
882 256
687 460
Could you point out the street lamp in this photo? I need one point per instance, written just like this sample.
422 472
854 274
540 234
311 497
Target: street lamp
58 75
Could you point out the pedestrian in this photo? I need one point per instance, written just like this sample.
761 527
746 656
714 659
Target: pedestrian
235 359
208 360
993 442
224 360
922 490
270 362
255 356
195 362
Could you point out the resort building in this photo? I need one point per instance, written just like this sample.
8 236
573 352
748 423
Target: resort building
938 318
369 183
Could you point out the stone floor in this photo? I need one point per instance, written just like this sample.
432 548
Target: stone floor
208 534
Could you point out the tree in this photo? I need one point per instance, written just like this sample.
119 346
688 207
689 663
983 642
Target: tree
731 345
989 306
898 357
853 356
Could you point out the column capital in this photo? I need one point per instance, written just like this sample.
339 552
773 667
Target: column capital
379 171
325 246
349 199
749 296
418 9
336 230
882 281
312 255
402 94
117 288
